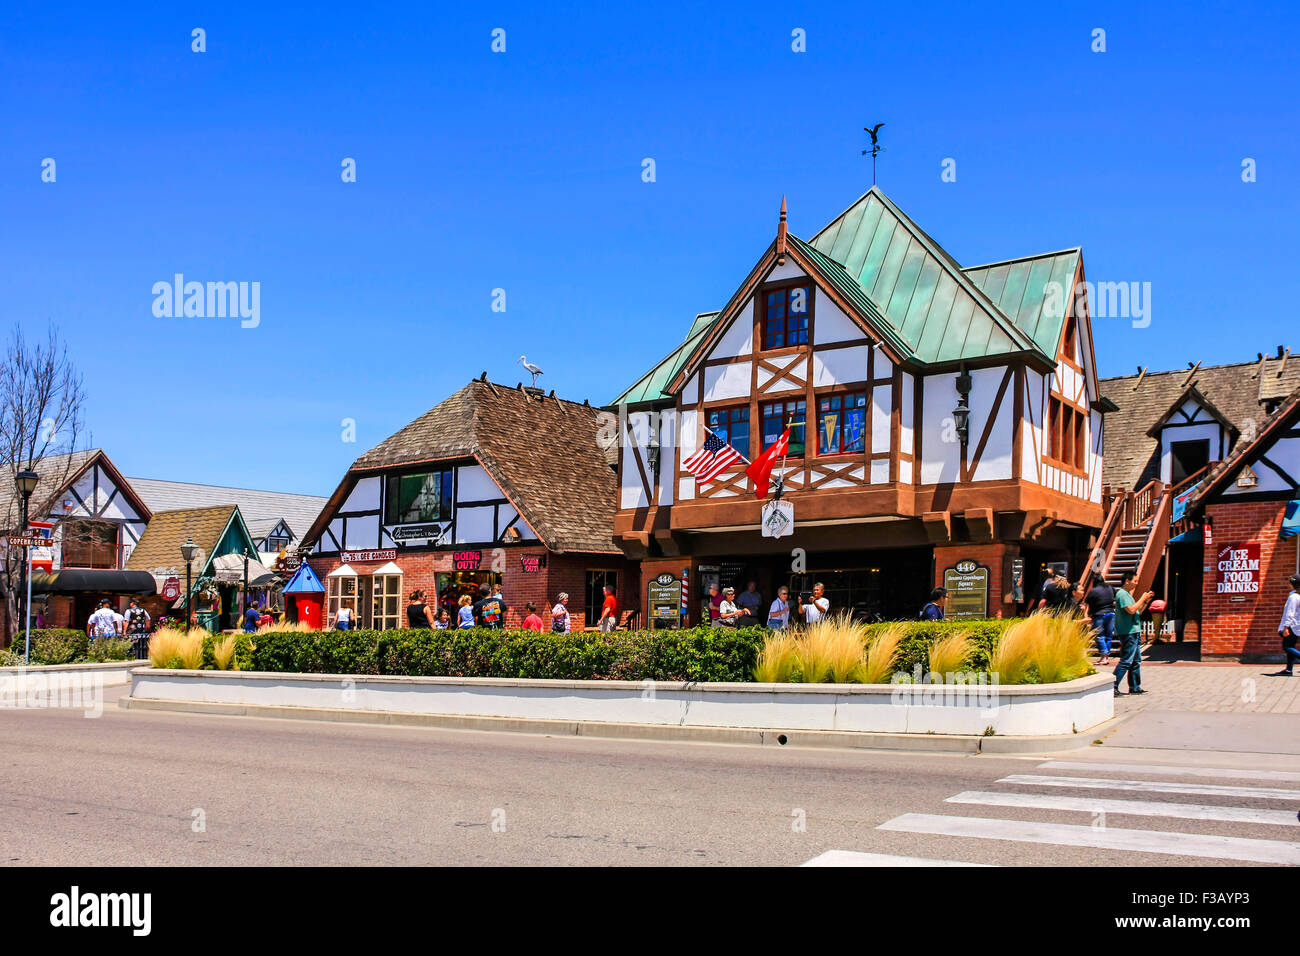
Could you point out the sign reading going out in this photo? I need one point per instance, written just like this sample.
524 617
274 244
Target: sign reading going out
967 584
665 602
466 560
1237 569
532 563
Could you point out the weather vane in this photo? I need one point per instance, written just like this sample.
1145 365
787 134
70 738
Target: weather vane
876 148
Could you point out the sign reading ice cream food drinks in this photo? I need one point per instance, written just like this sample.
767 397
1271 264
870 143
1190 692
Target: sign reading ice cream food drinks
1236 570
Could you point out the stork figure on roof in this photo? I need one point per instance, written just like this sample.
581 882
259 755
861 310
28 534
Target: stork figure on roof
876 148
523 360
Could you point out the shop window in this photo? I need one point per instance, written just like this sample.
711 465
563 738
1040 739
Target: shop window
595 593
1067 440
386 608
343 592
775 417
786 314
841 424
452 584
731 425
1067 347
420 497
89 544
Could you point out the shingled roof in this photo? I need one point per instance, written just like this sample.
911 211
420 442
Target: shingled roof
57 473
160 545
541 450
261 510
1244 393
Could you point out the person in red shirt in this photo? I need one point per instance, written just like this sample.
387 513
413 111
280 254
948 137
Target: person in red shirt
609 611
532 622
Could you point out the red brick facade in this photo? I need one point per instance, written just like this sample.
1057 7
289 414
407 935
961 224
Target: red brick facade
1246 629
563 572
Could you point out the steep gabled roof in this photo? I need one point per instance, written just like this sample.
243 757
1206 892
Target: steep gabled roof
59 472
651 386
1019 287
1242 392
1285 415
160 545
541 451
1192 394
918 286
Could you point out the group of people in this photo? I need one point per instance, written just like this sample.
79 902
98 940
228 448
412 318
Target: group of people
490 611
727 609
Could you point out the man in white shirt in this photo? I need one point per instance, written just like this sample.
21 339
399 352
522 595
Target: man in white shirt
778 615
1289 629
819 607
102 623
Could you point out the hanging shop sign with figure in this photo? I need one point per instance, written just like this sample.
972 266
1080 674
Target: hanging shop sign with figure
665 602
967 584
778 518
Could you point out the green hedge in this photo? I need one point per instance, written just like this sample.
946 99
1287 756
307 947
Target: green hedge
915 647
66 646
701 654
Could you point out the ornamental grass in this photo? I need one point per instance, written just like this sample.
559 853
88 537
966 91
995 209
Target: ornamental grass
878 665
223 652
951 655
172 647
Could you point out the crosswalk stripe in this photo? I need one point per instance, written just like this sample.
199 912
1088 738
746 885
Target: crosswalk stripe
1280 775
1142 808
1068 834
1155 786
851 858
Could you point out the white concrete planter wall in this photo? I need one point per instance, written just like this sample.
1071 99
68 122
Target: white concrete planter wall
1024 710
106 674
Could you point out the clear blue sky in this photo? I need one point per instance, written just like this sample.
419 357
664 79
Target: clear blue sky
522 171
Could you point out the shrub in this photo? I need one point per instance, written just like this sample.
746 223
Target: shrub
56 646
108 649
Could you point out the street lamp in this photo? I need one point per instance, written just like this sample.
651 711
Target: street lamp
245 607
25 483
188 551
961 414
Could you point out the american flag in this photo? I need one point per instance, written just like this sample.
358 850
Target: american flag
714 457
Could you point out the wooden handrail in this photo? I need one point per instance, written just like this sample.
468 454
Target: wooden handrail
1106 539
1193 478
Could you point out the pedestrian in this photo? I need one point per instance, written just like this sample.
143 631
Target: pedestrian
933 610
1289 629
444 620
343 620
750 602
489 609
101 623
1045 588
40 617
609 612
252 619
137 628
498 593
560 620
417 611
1056 595
817 608
268 616
465 614
778 615
729 613
1100 602
1128 628
1077 594
532 622
715 601
119 621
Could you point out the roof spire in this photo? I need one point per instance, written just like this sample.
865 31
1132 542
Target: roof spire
780 236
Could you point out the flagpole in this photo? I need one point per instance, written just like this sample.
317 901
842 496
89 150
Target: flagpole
789 423
719 437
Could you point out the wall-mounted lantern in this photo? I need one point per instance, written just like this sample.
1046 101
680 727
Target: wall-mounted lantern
961 414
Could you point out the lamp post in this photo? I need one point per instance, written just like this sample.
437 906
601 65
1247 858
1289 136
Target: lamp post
188 550
25 483
244 609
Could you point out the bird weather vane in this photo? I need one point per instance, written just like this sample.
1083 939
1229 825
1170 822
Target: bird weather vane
876 148
530 367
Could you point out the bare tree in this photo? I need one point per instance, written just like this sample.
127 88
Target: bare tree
41 404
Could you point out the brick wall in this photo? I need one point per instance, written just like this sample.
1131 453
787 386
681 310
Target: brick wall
992 555
1247 630
563 572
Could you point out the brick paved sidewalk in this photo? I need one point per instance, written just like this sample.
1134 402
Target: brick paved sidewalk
1213 688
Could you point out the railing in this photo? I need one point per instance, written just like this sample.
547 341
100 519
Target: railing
92 554
1108 539
1142 504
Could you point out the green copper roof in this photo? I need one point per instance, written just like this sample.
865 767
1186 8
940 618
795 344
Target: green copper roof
650 386
1019 287
919 288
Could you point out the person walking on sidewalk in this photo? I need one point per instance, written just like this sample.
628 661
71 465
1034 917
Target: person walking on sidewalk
1289 629
1101 608
1128 628
608 612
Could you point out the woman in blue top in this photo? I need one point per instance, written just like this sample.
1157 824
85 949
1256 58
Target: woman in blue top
465 616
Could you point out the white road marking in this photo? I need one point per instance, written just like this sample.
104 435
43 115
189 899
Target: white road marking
1073 835
850 858
1157 769
1142 808
1155 786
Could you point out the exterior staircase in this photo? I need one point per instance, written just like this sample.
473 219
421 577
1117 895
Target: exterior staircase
1133 537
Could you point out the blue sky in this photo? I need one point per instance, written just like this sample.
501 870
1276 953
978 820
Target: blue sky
522 171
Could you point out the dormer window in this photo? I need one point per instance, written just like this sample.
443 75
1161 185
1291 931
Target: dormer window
787 312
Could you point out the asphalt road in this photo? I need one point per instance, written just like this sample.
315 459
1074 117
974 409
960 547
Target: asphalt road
141 788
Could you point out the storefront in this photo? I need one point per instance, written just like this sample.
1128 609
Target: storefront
462 499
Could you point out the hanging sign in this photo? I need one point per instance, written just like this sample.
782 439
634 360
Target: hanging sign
434 533
665 602
1237 569
171 589
42 555
1180 503
532 563
778 518
967 584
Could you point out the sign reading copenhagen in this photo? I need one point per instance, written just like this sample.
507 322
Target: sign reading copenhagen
1237 569
967 584
665 600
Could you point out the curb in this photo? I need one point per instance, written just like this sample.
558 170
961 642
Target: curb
836 739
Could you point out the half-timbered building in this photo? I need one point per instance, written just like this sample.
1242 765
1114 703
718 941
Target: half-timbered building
942 416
